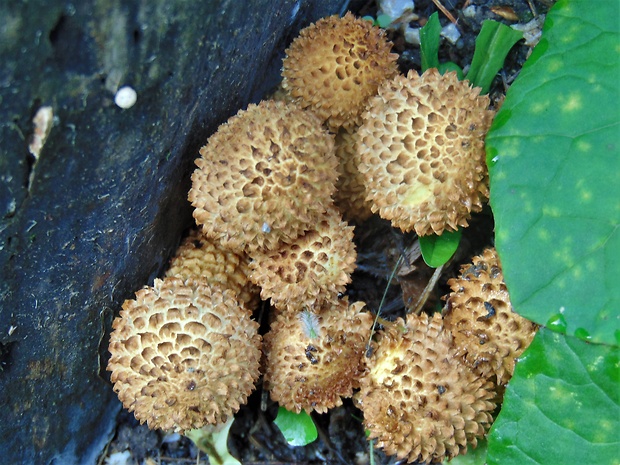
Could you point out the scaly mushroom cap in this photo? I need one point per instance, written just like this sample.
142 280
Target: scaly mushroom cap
184 354
422 151
265 175
335 65
199 257
350 196
315 359
419 401
479 314
307 271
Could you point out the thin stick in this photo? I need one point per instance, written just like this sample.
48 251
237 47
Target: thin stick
427 290
532 8
444 11
387 287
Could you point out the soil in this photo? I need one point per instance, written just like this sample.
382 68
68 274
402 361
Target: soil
254 439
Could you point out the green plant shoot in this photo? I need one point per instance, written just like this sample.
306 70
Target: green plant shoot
297 428
492 46
437 250
429 42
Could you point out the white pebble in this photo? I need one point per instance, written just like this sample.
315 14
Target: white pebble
412 35
470 11
119 458
396 9
125 97
451 33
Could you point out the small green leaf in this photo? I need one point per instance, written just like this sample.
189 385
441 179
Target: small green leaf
430 35
492 45
297 428
561 406
383 21
437 250
450 66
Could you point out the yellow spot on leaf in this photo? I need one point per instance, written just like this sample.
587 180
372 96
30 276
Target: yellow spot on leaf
554 65
543 235
586 196
550 211
591 265
540 107
574 102
583 146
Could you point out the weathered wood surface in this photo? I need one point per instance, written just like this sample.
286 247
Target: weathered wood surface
101 209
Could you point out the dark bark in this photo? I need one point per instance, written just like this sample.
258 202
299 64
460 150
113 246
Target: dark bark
101 209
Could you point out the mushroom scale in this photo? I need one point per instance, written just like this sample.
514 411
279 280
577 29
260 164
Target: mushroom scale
199 257
479 314
183 354
419 401
350 196
422 154
335 65
267 174
310 270
313 360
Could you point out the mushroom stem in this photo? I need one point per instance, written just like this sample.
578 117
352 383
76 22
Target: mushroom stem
212 439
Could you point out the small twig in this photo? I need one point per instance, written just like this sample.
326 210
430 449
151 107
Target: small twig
387 287
104 454
532 8
445 11
417 308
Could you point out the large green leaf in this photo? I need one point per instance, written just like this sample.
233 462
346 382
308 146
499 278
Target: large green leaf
561 407
554 167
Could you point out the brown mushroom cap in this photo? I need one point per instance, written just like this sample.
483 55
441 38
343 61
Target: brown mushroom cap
309 270
350 196
183 354
265 175
479 314
419 401
335 65
200 257
314 360
422 151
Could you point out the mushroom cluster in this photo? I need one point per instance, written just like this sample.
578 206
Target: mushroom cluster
433 382
348 136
